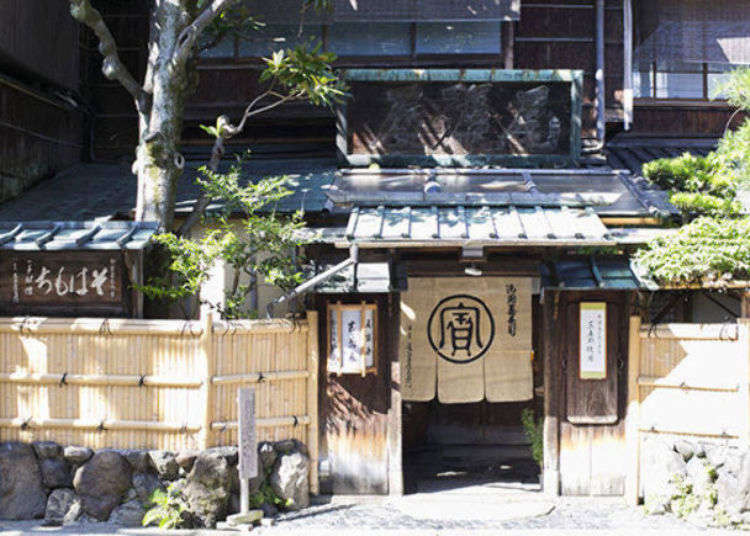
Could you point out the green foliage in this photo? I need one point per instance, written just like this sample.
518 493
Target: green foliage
260 243
306 73
166 509
700 203
707 248
684 501
688 173
736 89
696 184
734 151
535 435
266 494
716 245
304 70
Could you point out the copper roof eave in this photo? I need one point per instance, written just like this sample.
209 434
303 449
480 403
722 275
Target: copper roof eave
520 243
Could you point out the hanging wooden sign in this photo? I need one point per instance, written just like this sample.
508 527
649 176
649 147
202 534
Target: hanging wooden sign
67 282
593 341
352 342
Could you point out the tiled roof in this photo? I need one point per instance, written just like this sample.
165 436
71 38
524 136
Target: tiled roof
608 192
90 191
71 235
611 273
629 152
404 226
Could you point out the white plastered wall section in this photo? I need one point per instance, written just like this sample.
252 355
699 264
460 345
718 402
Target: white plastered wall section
221 278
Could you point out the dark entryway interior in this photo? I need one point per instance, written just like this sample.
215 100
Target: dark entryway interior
457 445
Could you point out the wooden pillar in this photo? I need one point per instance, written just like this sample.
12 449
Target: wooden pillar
313 431
551 427
207 388
601 110
507 31
745 305
632 415
395 461
627 63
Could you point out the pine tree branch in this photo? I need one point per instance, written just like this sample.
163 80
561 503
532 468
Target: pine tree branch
112 66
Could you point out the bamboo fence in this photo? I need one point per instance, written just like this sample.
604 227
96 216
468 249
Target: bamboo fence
686 381
157 384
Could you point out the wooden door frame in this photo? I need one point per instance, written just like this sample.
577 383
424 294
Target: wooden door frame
554 337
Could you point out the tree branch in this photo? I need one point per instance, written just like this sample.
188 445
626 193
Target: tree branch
188 36
112 66
225 131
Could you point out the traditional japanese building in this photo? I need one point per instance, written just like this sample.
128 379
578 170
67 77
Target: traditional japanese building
470 213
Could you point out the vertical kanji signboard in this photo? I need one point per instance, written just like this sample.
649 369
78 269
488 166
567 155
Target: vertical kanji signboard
593 343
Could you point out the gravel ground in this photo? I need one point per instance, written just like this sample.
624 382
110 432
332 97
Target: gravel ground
452 516
567 514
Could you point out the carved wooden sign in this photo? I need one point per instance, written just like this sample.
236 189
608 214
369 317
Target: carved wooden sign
455 117
71 282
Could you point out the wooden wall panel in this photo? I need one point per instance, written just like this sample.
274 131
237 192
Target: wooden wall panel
591 401
39 136
684 119
40 39
592 457
561 35
354 415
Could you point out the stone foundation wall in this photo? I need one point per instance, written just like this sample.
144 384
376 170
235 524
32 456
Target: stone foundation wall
708 484
66 485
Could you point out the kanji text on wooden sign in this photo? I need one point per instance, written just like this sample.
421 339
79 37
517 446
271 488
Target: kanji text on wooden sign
31 281
593 343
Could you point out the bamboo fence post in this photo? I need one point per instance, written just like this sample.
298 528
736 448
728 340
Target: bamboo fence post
632 484
208 365
743 340
313 434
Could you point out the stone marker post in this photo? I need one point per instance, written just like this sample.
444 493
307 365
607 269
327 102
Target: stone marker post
248 448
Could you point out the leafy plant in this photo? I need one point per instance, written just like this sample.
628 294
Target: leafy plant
684 501
706 249
534 433
266 494
259 246
166 509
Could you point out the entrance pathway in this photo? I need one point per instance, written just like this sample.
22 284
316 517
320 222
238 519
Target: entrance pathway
477 508
481 508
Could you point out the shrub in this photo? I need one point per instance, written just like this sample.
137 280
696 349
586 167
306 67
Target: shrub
707 248
697 184
166 509
535 435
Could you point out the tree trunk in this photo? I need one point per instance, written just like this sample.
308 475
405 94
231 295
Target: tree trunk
159 163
